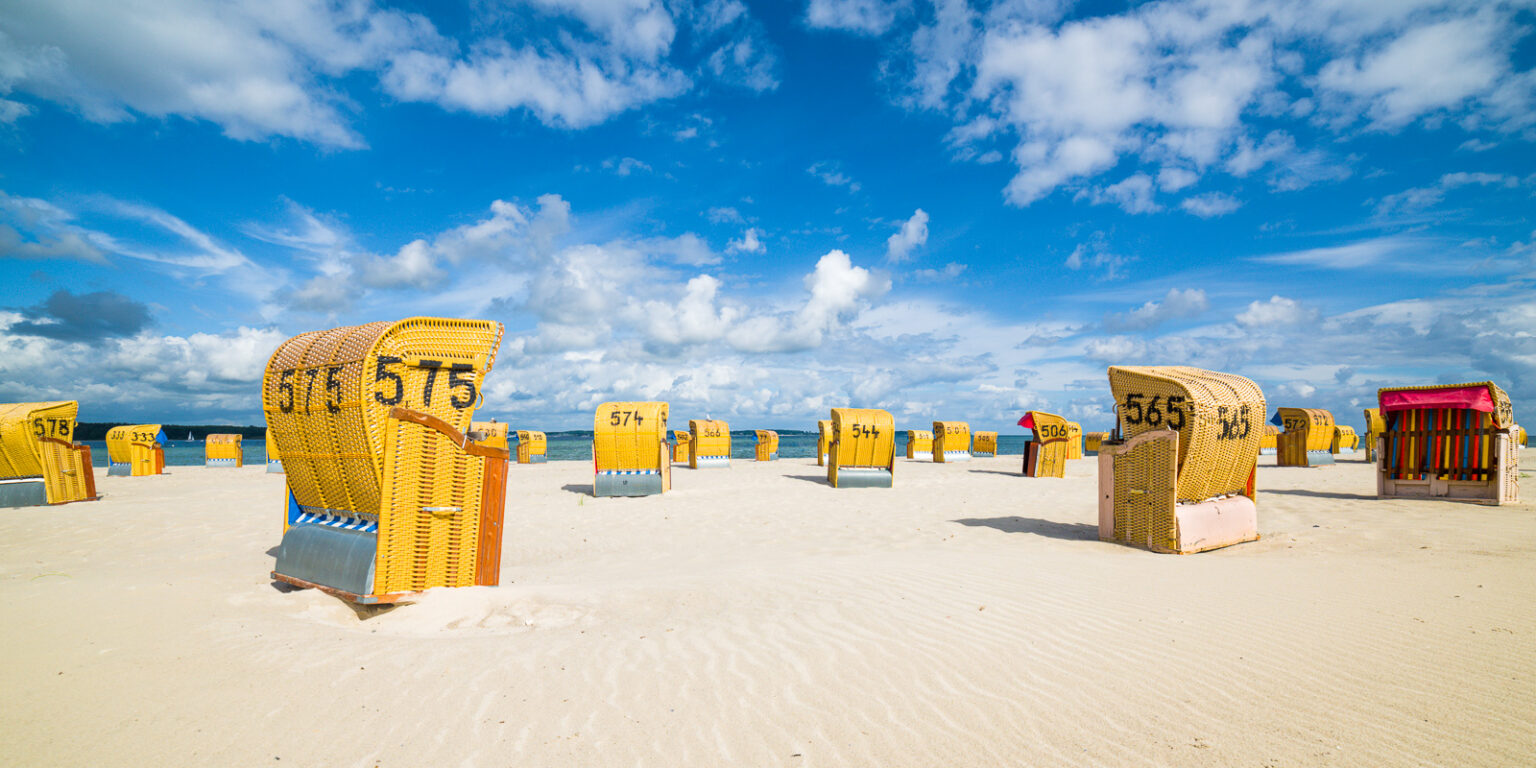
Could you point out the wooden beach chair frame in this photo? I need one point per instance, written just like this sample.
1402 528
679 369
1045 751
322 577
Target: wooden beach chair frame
1450 442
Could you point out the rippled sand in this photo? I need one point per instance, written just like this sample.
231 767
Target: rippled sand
758 617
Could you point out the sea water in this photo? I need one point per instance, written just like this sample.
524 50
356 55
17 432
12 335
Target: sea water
563 446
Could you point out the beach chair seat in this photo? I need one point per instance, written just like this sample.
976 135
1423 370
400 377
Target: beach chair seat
1308 437
1045 455
920 445
863 450
630 451
767 445
1181 479
984 444
951 442
1448 442
709 444
387 494
224 450
39 461
532 447
136 450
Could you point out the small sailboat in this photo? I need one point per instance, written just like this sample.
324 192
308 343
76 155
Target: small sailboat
190 438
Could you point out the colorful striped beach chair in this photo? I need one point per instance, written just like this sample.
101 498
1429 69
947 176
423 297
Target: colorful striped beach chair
1451 442
224 450
39 461
767 445
951 442
709 444
136 450
630 450
1179 478
1308 437
387 495
863 450
920 444
1045 455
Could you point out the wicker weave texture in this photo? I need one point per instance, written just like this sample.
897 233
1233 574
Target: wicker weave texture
1218 416
919 441
137 445
767 444
823 441
1145 495
228 447
327 395
862 438
429 515
628 436
36 440
709 438
950 436
531 446
984 442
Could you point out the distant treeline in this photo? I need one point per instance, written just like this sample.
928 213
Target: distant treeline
92 430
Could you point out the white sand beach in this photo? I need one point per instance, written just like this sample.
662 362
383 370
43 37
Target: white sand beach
756 616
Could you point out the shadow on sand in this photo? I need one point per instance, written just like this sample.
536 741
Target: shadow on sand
995 472
818 479
1046 528
1317 494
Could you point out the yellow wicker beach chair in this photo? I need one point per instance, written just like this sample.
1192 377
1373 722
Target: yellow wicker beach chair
1074 440
920 444
274 457
823 441
710 444
1344 439
387 495
984 444
493 433
863 450
767 445
1374 426
630 450
951 441
1045 455
136 450
224 450
1269 442
1452 442
533 447
1519 435
1092 440
681 448
39 461
1308 437
1182 478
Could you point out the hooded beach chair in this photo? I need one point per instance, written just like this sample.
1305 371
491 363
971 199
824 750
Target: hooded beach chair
1045 455
920 444
1092 441
387 495
1344 439
274 457
1374 426
224 450
823 440
1452 442
39 461
951 441
984 444
863 450
1269 442
709 444
767 445
1180 476
532 447
1308 437
680 448
1074 440
136 450
630 449
492 433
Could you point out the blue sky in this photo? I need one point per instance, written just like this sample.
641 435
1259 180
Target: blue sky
758 211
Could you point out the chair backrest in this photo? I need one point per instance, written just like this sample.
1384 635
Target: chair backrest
628 436
328 398
224 450
984 442
823 440
493 433
919 444
1048 454
136 449
863 451
767 444
37 441
951 441
1218 417
532 446
710 443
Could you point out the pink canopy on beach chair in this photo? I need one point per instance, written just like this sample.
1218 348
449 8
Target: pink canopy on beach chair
1475 398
